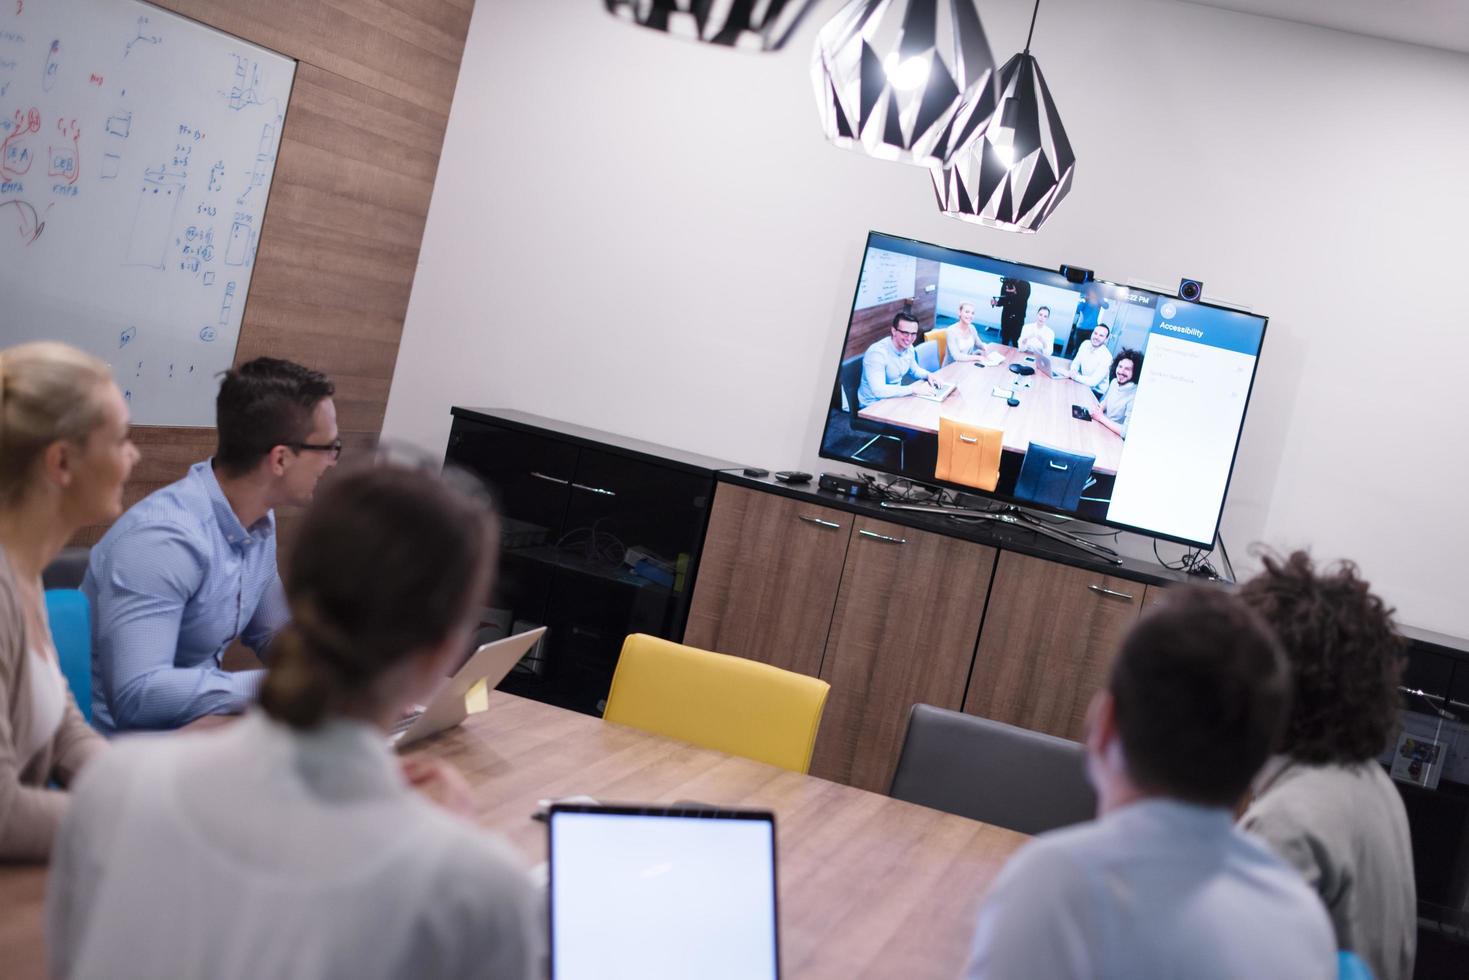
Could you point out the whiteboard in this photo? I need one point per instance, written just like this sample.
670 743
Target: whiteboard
886 276
136 152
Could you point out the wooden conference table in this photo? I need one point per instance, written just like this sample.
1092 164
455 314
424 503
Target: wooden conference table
869 886
1043 415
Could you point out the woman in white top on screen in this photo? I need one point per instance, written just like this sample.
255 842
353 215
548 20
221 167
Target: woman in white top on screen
64 456
962 341
1117 397
1093 361
292 843
1037 337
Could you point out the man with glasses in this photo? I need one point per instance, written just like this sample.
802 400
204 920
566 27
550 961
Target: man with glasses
889 362
191 567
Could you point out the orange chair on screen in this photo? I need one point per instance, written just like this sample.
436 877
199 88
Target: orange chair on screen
941 337
969 454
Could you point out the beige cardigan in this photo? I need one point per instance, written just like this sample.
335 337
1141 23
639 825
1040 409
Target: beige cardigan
29 811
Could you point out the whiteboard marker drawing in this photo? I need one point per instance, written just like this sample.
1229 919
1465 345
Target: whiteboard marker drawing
53 67
65 161
16 151
126 337
111 164
241 246
21 215
141 37
224 307
158 201
120 125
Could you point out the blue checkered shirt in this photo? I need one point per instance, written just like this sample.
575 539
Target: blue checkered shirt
172 584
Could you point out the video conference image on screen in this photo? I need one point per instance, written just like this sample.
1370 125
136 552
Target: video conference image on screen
1110 403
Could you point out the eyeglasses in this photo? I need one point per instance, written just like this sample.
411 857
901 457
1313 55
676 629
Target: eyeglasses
906 333
334 447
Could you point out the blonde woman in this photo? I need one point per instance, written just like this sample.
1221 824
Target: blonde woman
963 337
64 456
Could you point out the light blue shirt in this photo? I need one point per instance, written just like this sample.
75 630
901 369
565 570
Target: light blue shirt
883 371
172 584
1157 888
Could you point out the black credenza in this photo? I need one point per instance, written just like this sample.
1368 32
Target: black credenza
601 538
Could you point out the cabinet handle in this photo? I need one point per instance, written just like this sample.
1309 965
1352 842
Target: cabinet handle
881 537
1110 592
817 521
549 479
605 493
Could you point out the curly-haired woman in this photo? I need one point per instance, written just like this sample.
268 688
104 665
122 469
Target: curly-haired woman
1324 803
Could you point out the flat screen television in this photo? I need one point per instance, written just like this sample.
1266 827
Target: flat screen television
1099 401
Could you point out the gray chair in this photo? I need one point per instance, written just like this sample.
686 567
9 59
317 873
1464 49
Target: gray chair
993 772
67 569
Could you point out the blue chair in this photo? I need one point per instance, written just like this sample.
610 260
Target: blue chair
1053 477
70 617
928 355
1350 966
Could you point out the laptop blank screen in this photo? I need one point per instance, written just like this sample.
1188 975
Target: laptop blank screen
656 896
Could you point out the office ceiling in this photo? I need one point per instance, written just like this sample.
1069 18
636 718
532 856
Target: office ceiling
1432 23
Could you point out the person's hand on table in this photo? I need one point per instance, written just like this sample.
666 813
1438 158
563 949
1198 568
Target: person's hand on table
440 782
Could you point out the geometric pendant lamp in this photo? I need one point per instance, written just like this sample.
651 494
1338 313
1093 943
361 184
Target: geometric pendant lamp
1019 170
758 25
906 80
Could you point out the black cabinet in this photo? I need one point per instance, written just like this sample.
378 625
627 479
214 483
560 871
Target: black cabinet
600 539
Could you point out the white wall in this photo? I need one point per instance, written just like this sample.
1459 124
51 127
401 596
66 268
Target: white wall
652 237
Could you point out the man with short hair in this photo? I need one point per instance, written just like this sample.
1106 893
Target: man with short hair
888 363
1093 362
1162 883
191 567
1038 337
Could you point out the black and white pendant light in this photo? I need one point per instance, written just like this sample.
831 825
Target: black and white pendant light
905 80
1020 169
760 25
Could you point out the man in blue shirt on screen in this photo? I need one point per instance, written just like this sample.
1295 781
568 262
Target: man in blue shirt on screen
192 567
1163 883
889 362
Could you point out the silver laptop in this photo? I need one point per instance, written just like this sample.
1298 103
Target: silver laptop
663 892
446 709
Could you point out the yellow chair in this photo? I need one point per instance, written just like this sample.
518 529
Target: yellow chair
942 336
717 701
969 454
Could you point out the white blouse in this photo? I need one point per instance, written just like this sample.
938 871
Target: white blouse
48 704
260 851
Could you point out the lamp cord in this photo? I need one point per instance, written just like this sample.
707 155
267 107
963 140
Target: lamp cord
1032 25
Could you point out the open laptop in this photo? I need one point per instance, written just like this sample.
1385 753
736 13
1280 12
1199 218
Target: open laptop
937 393
446 709
662 892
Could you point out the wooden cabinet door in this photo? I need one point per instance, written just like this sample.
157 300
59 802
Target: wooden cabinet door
1048 639
768 578
903 632
1152 595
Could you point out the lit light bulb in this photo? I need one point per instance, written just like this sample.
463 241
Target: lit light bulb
905 75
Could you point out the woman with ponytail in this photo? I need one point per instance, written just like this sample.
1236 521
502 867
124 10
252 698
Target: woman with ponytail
64 456
292 843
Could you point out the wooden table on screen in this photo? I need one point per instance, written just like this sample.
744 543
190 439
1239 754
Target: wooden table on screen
1043 415
869 886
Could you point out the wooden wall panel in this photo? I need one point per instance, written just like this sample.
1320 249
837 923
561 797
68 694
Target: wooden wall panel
348 202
